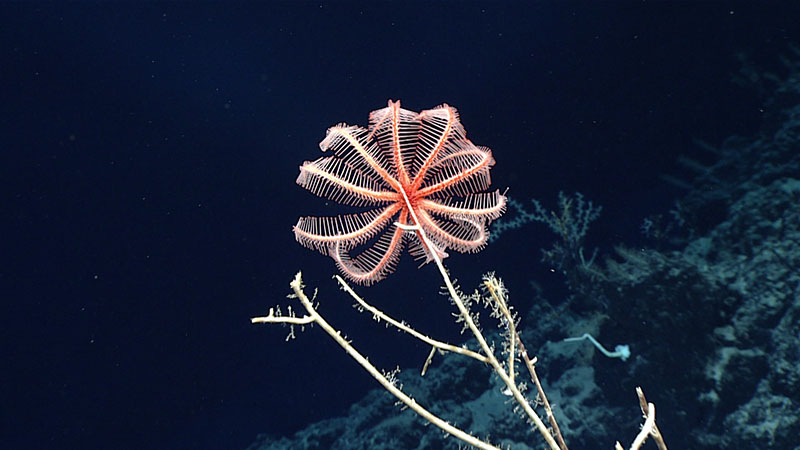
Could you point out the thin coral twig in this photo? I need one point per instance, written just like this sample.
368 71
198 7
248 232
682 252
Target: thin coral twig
649 427
380 315
500 300
647 409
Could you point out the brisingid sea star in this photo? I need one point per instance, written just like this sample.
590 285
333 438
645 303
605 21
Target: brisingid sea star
425 156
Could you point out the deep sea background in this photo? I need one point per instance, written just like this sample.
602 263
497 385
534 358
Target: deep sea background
148 159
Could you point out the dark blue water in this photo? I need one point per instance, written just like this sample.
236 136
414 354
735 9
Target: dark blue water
148 159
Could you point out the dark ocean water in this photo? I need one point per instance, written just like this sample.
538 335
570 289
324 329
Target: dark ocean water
148 162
